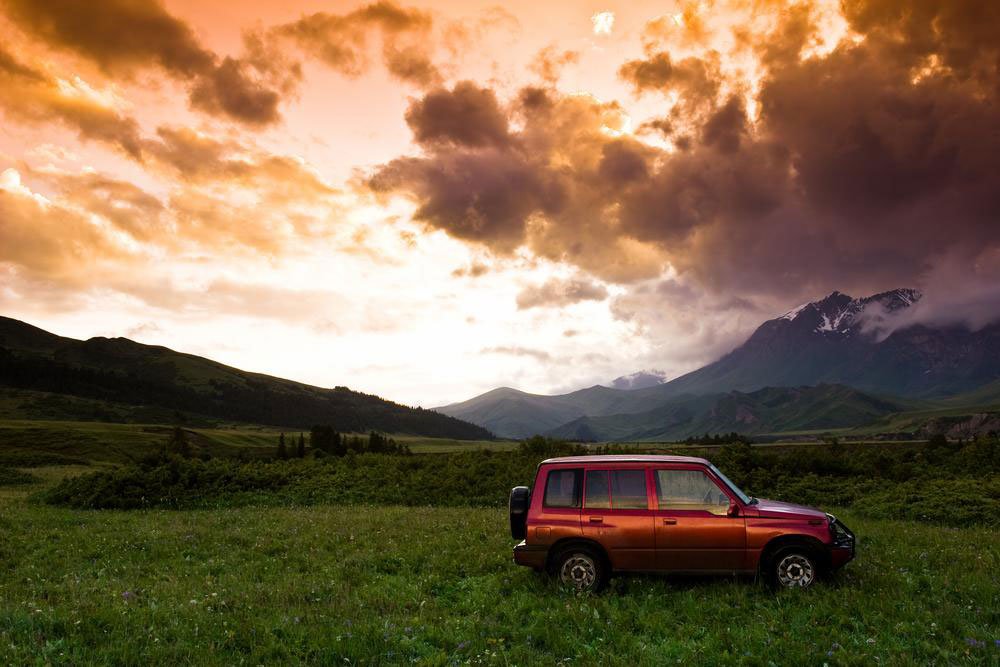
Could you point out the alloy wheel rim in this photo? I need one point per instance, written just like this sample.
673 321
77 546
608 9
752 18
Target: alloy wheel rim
795 570
579 571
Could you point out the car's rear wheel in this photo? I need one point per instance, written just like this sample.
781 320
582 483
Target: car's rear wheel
794 567
582 569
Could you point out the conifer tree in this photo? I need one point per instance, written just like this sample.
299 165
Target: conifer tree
301 450
282 451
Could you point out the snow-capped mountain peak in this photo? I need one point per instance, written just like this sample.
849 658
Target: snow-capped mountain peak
840 313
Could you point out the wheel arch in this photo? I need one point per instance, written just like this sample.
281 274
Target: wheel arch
817 549
560 546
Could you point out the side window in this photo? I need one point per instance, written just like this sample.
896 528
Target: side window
562 488
628 490
597 490
689 490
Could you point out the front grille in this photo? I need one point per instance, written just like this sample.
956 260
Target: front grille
841 534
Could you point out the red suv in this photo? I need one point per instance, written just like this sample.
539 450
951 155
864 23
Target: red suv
589 516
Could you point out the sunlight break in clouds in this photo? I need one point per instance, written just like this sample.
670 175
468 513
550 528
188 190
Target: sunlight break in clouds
603 22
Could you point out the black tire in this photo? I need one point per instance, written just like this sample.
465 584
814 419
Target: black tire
793 567
520 499
582 569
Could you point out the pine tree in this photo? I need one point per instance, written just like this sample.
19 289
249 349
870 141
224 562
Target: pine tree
301 451
282 451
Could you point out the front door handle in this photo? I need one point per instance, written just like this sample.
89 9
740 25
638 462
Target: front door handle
596 519
669 522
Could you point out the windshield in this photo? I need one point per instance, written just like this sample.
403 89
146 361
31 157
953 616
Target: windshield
742 496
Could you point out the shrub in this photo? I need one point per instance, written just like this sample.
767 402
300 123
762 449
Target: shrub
880 482
953 502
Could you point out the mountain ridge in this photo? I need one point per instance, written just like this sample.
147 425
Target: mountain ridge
830 341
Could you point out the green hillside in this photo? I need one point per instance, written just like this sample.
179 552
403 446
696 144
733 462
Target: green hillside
768 410
101 379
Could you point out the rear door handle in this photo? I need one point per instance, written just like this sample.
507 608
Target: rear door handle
669 522
596 519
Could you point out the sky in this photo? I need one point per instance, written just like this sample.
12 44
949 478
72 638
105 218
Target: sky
429 200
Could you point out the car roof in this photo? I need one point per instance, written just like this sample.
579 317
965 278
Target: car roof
627 458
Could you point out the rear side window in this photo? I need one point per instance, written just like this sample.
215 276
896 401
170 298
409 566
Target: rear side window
597 490
562 488
628 490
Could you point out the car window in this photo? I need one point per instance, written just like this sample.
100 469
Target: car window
562 488
596 490
689 490
628 490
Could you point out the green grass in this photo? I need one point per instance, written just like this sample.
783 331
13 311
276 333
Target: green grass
124 443
436 586
421 445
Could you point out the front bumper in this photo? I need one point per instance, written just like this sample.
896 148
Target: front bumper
530 555
843 543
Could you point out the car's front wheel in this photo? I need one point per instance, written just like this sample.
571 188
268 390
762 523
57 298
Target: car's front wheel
581 569
794 567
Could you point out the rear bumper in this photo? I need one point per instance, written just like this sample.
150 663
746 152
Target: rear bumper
530 555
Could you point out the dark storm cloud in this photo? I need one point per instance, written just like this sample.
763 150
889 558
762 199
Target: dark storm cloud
341 41
550 180
122 36
466 115
697 79
862 168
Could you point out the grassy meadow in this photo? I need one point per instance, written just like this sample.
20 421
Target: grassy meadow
436 586
340 560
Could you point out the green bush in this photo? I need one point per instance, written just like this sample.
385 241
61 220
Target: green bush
953 502
880 482
473 479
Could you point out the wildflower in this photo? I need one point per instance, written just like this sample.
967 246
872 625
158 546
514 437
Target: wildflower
870 640
127 595
461 646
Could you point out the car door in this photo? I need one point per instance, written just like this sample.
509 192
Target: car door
617 513
694 531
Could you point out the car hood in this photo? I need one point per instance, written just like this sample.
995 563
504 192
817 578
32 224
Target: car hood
779 510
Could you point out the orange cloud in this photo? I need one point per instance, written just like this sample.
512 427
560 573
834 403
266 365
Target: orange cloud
122 36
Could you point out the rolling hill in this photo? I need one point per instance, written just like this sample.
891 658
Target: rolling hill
116 379
769 410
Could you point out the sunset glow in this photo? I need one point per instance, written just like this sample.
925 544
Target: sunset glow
429 200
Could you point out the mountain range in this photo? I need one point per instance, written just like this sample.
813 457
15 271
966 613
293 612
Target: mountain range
822 365
45 376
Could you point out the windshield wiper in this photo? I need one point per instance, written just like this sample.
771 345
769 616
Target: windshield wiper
753 500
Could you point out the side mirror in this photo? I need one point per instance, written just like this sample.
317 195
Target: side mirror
734 509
